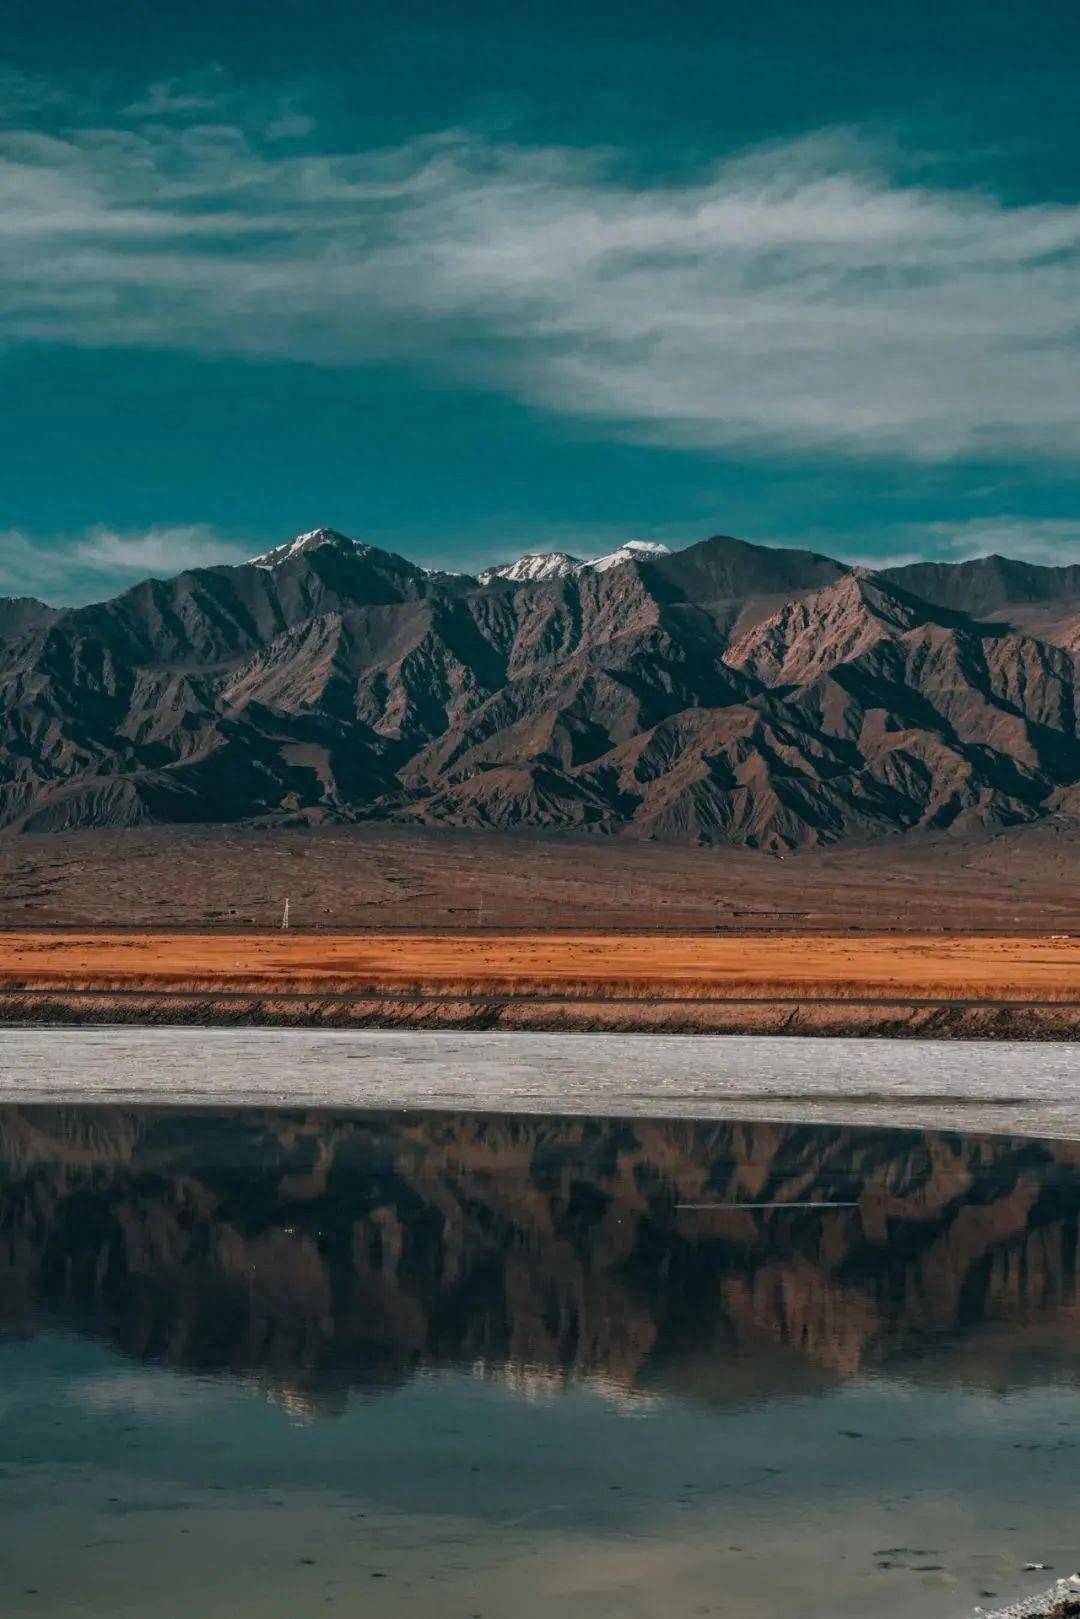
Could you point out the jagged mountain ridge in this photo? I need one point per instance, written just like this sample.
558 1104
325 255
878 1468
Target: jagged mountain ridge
1040 601
534 565
537 565
726 692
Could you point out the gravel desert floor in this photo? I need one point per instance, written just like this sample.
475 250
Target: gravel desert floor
375 877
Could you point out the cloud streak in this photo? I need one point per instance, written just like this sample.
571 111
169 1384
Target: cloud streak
1048 541
169 98
78 568
802 298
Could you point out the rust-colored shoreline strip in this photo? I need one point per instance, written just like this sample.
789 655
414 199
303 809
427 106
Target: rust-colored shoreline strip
928 968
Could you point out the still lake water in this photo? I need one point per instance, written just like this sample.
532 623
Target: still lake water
271 1364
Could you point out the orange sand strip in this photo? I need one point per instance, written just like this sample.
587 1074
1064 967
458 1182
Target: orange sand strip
934 967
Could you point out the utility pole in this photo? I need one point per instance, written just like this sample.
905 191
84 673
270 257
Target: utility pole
285 917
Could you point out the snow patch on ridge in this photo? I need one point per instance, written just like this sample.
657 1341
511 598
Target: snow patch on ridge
536 565
310 541
632 551
531 568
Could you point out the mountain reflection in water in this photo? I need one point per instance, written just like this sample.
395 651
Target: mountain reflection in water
322 1255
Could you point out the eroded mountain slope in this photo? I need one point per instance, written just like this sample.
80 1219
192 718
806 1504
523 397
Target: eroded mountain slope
727 692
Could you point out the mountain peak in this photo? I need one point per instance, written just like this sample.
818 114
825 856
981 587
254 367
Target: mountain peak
539 565
311 541
532 566
728 693
21 613
630 551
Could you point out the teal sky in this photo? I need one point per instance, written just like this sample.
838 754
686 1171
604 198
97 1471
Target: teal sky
467 280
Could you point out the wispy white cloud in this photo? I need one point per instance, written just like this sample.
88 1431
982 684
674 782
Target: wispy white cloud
1049 541
170 98
288 124
803 297
155 550
76 568
26 93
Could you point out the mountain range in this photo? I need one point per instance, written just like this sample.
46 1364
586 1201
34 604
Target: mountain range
727 692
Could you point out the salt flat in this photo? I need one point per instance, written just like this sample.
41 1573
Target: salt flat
977 1085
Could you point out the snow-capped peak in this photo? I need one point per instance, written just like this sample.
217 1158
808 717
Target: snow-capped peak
632 551
538 565
306 542
534 565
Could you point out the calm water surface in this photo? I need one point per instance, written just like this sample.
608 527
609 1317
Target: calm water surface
263 1364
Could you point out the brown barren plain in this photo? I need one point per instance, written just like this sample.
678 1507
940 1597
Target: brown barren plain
377 878
977 937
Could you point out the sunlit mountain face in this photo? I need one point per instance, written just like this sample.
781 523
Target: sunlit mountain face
321 1255
726 693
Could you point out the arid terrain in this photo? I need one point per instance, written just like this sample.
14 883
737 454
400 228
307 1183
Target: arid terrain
400 927
373 877
728 694
460 930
